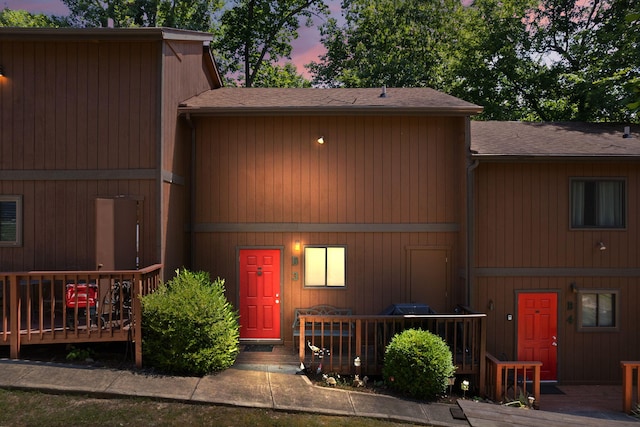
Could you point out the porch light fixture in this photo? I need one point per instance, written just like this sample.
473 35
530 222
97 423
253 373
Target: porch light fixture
320 140
296 245
1 71
601 246
357 362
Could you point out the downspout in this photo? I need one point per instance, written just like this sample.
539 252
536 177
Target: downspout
192 192
472 164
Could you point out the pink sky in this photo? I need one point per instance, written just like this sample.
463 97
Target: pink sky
305 49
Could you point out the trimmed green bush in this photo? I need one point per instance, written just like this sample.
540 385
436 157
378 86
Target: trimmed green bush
418 363
189 327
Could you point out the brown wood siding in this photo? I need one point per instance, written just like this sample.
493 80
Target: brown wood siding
69 107
376 270
524 242
583 357
370 170
522 212
376 171
183 77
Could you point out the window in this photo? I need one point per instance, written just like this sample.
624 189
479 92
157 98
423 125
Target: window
10 220
598 310
597 203
325 266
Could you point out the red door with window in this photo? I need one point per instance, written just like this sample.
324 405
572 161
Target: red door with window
538 331
260 294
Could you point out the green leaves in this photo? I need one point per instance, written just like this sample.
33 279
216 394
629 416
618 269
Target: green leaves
185 14
418 363
254 33
520 59
189 327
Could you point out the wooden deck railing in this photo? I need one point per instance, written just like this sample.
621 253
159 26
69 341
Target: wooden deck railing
50 307
508 380
629 396
340 339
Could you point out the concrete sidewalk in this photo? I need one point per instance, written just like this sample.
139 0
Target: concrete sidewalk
272 387
276 386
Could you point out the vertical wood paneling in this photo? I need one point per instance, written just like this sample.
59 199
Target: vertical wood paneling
376 269
370 170
353 179
73 106
522 213
591 357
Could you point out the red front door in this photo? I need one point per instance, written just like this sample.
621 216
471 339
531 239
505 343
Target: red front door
538 331
260 293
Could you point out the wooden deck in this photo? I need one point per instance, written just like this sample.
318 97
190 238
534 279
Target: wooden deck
62 307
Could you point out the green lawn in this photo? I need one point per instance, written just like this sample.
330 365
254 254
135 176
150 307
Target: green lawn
27 408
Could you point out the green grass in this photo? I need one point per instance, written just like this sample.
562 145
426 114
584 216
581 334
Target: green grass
28 408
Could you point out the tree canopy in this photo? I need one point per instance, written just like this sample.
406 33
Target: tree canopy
185 14
255 33
521 59
22 18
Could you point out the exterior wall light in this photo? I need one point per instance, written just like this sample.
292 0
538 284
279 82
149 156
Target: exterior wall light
602 246
296 245
1 71
320 140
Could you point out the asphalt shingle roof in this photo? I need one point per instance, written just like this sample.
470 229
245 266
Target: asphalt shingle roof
233 100
548 140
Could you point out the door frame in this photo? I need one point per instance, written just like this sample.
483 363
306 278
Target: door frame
518 292
258 247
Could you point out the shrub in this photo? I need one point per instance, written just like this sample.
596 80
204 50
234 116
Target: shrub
189 327
418 363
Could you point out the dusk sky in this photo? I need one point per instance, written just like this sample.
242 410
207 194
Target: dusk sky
305 49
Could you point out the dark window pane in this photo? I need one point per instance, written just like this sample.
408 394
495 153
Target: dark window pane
8 221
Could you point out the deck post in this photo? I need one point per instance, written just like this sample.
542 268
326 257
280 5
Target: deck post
14 318
137 319
301 343
536 382
483 351
359 346
627 385
498 383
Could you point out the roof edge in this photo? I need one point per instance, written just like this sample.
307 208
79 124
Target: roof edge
83 34
552 157
296 111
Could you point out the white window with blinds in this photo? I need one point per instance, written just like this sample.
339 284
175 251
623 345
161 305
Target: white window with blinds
325 266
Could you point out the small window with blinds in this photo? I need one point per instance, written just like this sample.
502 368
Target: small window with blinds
598 310
325 266
10 220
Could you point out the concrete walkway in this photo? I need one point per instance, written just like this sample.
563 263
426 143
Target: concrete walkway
268 386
